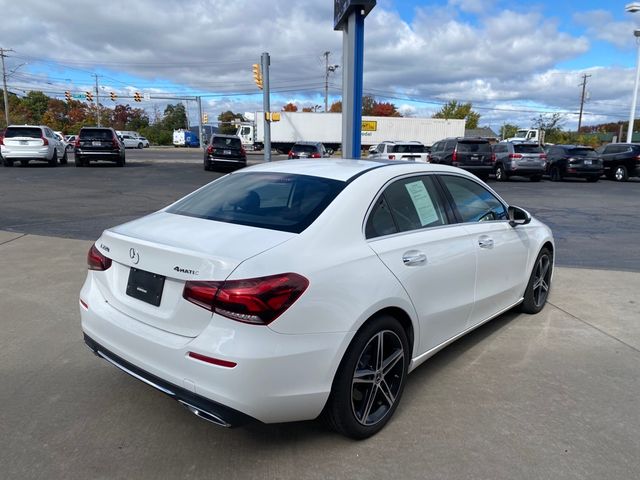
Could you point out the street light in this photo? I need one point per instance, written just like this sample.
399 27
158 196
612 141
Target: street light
633 8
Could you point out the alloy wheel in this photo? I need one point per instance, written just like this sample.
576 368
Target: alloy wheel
377 378
541 280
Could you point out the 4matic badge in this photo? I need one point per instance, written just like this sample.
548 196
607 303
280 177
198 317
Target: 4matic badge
186 270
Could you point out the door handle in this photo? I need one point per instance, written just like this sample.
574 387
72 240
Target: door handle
485 241
413 258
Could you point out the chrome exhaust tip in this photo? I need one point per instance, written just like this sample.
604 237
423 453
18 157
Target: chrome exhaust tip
208 416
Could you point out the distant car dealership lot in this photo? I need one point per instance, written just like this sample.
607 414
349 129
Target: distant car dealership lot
595 224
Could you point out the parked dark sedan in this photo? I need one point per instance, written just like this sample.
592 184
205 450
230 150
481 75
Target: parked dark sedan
576 161
620 160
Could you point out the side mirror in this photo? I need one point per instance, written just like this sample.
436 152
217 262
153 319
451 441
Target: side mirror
518 216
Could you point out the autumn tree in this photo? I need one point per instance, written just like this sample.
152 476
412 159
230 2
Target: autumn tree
290 107
461 111
385 109
336 107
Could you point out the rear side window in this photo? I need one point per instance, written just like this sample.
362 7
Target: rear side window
301 148
524 148
407 204
225 142
474 202
96 134
29 132
408 149
276 201
474 147
583 152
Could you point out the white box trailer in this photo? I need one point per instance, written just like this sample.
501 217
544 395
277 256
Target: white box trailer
327 128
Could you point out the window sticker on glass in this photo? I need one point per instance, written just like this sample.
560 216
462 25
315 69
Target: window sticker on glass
422 201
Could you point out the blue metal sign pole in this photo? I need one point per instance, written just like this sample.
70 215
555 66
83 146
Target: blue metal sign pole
349 17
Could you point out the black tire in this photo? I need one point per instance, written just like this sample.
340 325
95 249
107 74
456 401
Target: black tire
7 163
535 178
140 146
54 160
554 174
501 174
121 162
349 408
207 166
593 178
78 162
64 159
620 173
539 286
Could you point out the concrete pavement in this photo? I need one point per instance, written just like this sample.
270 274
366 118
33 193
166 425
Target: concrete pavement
550 396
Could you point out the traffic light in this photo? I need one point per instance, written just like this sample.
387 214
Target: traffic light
89 96
113 96
67 95
137 97
257 75
205 118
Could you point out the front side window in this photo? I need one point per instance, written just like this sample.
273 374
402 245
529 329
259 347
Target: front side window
474 202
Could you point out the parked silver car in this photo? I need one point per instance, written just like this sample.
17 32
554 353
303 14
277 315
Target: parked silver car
517 158
31 142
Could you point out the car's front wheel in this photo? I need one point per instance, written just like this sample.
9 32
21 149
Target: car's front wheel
370 380
537 292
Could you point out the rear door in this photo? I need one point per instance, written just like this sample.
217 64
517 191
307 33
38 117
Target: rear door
409 229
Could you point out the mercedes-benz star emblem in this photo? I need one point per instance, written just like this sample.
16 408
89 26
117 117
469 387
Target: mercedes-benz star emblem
134 255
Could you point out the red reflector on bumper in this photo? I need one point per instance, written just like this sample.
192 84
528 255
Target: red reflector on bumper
84 304
214 361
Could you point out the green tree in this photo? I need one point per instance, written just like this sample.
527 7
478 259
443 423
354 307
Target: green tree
508 130
225 120
552 124
36 103
462 111
175 117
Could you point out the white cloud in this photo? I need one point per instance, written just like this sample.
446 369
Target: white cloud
601 25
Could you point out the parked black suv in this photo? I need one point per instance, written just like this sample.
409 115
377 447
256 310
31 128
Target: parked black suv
573 161
620 160
472 154
224 151
98 143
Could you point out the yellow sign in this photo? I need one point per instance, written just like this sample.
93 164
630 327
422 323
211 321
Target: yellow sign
369 125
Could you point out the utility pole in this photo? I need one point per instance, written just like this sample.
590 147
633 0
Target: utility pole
4 84
327 68
584 86
202 142
266 104
97 99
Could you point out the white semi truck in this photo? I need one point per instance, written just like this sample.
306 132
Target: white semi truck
327 128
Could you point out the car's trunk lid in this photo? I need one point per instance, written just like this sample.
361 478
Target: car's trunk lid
169 250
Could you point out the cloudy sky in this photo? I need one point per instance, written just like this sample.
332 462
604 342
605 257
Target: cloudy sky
512 60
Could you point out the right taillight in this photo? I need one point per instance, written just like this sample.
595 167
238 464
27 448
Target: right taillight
210 150
2 137
77 142
454 156
115 143
44 141
96 260
258 301
290 153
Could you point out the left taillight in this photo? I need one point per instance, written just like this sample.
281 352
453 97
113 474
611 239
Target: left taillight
96 260
210 150
258 301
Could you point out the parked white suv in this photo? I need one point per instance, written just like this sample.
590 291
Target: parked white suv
408 151
31 142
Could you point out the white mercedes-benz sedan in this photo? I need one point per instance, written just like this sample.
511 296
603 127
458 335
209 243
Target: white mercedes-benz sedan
294 289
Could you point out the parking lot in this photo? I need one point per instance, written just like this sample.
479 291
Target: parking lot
547 396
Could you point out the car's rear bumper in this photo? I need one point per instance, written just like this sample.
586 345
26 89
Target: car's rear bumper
277 377
583 172
112 156
527 171
196 404
17 153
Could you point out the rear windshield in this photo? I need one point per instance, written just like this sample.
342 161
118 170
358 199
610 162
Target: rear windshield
96 134
474 147
523 148
305 148
225 142
30 132
277 201
408 149
582 152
